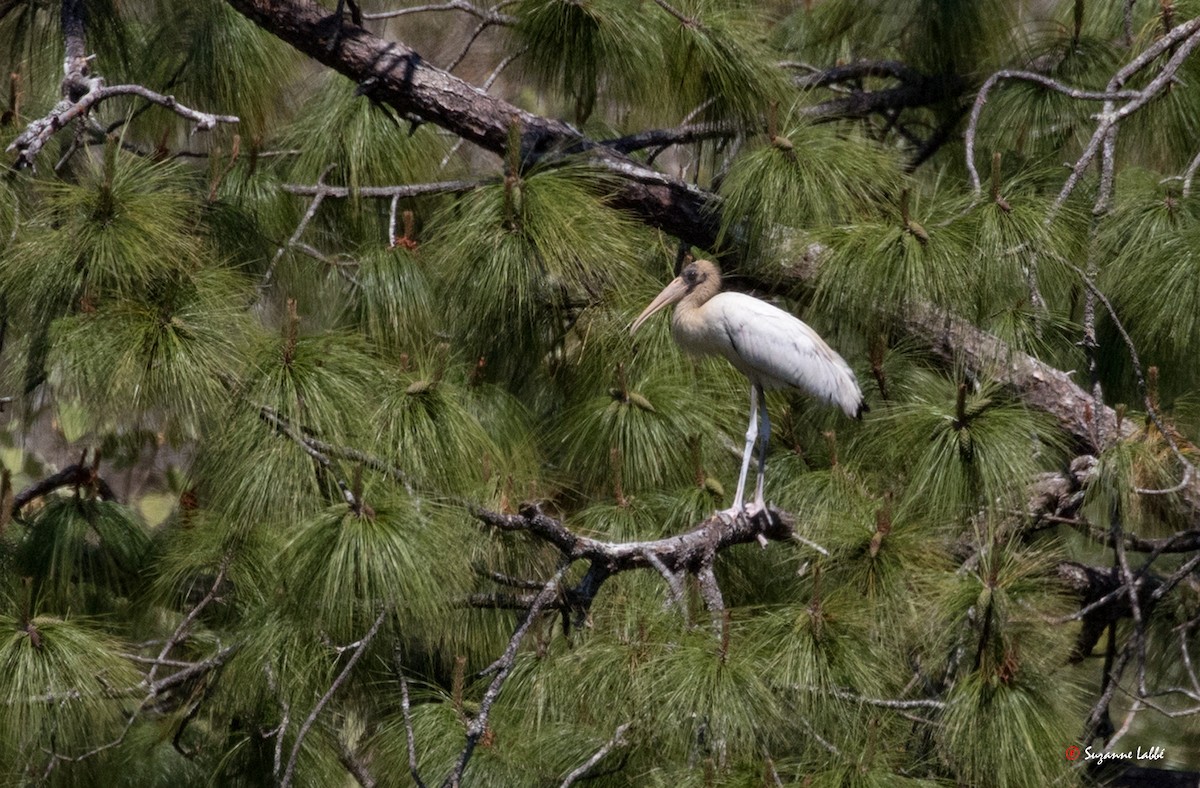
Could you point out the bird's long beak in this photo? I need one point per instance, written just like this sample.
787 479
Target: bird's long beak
670 294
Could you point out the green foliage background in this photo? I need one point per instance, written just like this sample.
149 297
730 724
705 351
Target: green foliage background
154 312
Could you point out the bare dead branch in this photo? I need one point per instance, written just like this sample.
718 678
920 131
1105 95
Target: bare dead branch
323 190
30 142
1190 174
887 703
681 135
823 77
356 767
1024 76
309 214
617 740
289 770
1185 33
81 474
501 669
1190 472
410 738
503 64
181 631
489 15
674 585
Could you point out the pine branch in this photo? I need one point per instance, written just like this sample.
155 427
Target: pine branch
323 190
1003 75
1180 41
681 135
923 92
356 767
409 737
322 452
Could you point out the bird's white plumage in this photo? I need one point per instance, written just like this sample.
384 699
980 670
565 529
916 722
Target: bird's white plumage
769 346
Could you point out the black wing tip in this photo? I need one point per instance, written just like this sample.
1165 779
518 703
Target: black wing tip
863 407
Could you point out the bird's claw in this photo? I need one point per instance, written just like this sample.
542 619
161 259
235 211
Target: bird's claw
730 515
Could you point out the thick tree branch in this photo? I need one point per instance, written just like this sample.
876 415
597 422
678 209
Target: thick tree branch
681 135
924 92
823 77
688 553
401 78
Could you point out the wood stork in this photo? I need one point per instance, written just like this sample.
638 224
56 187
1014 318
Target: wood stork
769 346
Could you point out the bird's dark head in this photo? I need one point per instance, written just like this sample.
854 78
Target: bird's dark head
696 283
701 273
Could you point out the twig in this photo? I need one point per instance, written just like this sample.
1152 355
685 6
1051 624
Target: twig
486 14
410 738
356 767
824 77
322 190
322 451
499 69
283 427
317 196
1190 174
1135 360
617 740
682 18
1186 33
821 740
673 584
285 718
1025 76
462 55
181 630
502 667
809 543
916 703
337 683
680 135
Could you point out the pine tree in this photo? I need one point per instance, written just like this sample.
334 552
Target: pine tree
328 457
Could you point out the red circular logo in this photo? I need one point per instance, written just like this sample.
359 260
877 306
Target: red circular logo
1072 753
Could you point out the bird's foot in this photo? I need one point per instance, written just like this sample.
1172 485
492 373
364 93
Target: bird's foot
728 516
752 511
748 511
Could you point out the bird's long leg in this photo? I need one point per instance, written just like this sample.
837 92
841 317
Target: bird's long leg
764 438
751 436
